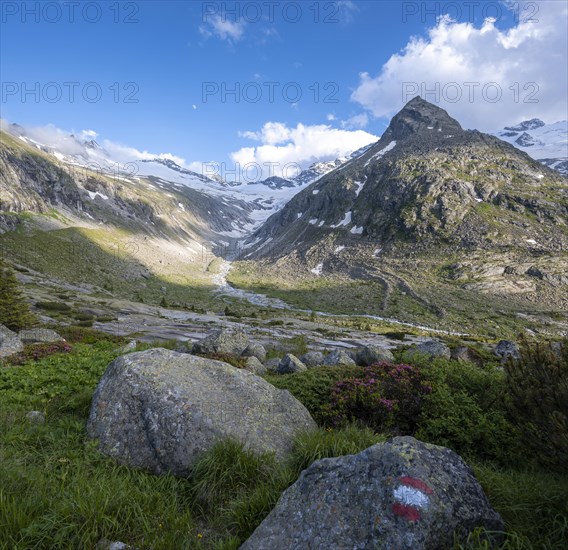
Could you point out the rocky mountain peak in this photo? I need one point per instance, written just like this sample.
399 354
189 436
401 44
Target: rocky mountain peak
419 116
531 124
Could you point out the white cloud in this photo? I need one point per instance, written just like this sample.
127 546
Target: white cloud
330 117
71 143
356 121
297 146
526 63
345 10
124 153
223 28
88 134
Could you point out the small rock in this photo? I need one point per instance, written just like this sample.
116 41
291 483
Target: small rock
506 349
433 348
290 363
184 347
313 359
402 494
255 350
36 417
338 357
10 342
272 364
373 354
255 366
222 341
465 353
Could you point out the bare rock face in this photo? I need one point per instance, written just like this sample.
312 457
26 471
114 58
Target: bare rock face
401 494
161 410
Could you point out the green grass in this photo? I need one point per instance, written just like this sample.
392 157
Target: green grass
59 492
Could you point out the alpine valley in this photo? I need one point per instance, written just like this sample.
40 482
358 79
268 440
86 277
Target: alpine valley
433 227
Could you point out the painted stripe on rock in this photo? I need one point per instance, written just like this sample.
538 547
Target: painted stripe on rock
407 512
410 496
416 483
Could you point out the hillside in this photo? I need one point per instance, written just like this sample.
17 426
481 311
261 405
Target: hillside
430 221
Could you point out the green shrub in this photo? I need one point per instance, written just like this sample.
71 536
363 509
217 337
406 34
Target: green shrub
82 335
83 316
53 306
313 386
15 312
538 387
84 323
388 397
466 411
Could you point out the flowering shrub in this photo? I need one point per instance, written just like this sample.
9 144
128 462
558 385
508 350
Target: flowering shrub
387 397
34 352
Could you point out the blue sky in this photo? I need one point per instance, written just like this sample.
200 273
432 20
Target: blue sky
165 54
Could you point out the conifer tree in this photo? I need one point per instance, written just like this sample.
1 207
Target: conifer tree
15 312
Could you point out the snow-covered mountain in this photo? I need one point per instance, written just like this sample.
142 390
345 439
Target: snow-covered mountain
314 172
547 143
263 198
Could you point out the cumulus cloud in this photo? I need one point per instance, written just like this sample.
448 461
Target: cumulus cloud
282 147
483 76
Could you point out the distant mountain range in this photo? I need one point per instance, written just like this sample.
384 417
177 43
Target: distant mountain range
547 143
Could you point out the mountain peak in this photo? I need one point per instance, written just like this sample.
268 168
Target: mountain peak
531 124
419 116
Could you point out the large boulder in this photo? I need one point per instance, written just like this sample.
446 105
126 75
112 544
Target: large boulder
402 494
289 364
10 342
432 348
161 410
222 341
506 349
373 354
39 335
313 359
255 350
338 357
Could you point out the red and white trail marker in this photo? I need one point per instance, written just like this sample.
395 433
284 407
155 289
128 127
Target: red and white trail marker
411 496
